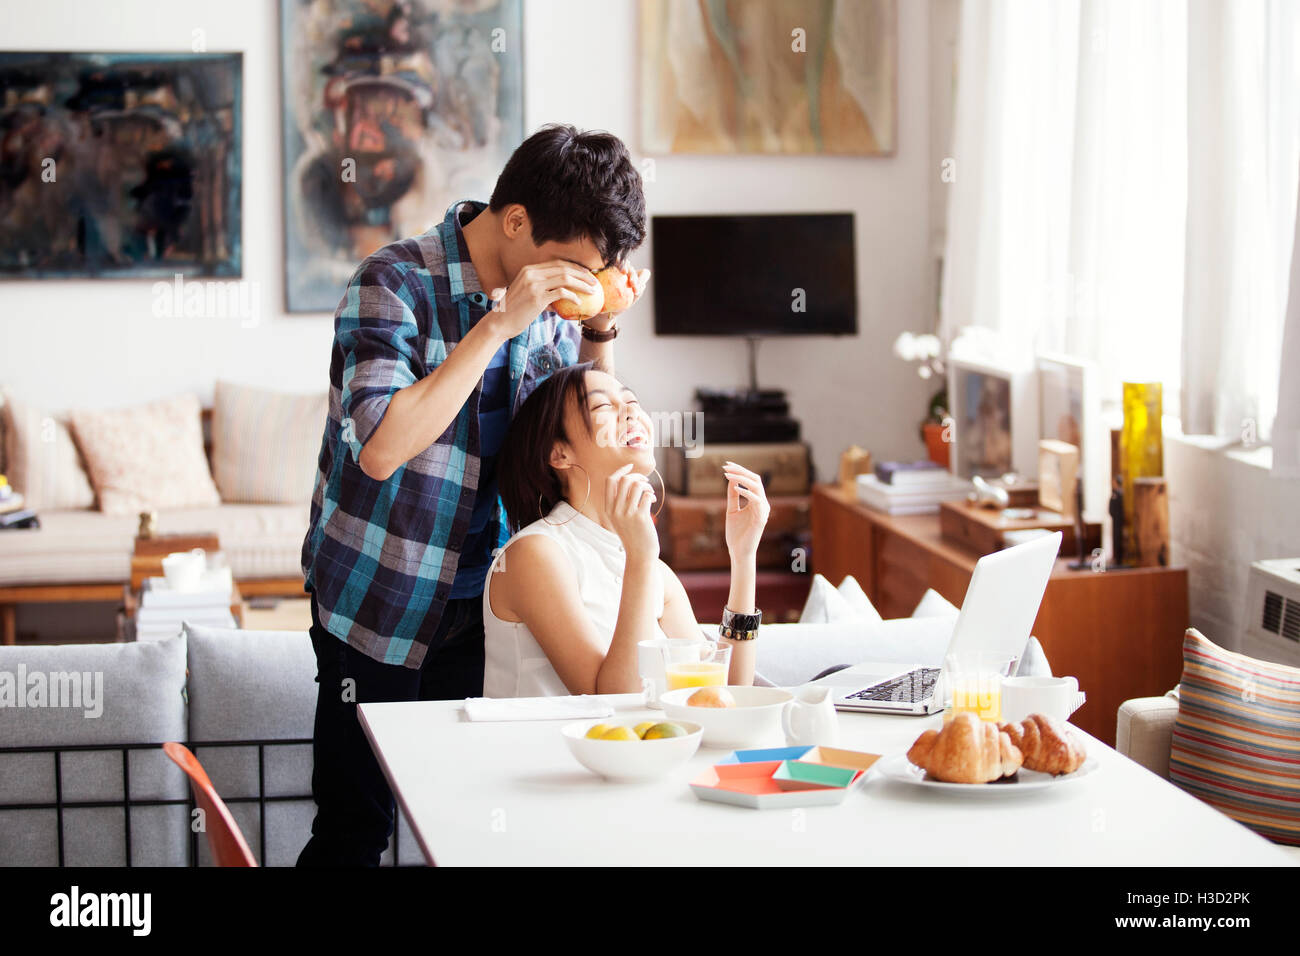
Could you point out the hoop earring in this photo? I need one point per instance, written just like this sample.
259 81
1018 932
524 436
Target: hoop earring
556 524
663 498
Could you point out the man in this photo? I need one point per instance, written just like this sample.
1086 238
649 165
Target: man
425 373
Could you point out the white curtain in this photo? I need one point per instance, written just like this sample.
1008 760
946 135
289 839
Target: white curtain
1243 82
1114 158
1066 220
1286 431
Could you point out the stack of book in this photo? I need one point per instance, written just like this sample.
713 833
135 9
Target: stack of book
163 611
910 488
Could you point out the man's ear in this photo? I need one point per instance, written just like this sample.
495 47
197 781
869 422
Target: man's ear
514 222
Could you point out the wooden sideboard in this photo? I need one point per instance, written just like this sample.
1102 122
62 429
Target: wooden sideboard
1119 632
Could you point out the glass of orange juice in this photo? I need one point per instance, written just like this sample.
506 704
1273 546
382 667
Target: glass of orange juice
696 664
975 685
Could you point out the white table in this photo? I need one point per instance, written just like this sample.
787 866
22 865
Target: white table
510 793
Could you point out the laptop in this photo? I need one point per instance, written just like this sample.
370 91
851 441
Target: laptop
996 618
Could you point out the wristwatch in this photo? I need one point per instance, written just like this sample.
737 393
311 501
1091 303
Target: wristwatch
598 335
739 627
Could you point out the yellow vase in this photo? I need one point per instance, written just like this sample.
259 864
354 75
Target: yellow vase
1141 448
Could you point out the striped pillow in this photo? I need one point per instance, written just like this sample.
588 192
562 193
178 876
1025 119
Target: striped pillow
1236 741
265 444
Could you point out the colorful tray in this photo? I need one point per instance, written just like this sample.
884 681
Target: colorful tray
783 777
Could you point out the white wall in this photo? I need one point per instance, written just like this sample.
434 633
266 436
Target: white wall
97 342
1225 511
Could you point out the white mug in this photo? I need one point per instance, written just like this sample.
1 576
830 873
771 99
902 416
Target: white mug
184 569
810 719
1057 697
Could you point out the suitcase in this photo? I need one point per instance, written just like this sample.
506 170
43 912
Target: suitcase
784 467
692 533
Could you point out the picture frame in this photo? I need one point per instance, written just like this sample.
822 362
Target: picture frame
1069 410
994 411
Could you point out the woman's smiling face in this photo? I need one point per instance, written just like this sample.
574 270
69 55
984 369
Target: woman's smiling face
621 431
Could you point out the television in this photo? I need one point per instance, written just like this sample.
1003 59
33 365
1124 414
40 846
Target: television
754 275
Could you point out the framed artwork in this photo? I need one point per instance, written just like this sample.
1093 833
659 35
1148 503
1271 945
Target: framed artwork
1069 410
120 165
995 420
392 111
780 76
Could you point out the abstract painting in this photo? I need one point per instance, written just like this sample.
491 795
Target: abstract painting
119 164
393 110
780 76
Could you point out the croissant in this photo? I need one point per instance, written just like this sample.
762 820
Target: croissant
1048 745
967 750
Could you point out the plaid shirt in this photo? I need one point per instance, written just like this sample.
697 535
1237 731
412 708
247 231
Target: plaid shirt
381 556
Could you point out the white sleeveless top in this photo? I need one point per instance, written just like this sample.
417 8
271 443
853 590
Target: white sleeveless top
514 664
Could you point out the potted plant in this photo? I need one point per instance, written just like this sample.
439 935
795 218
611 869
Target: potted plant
927 351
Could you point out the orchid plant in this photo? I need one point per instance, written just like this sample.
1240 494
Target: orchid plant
927 351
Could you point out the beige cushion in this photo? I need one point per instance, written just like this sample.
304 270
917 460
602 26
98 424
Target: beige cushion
147 457
265 444
41 459
1144 731
259 541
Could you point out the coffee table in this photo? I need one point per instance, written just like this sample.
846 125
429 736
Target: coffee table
510 793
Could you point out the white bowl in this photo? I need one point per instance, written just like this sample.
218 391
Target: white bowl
631 759
755 721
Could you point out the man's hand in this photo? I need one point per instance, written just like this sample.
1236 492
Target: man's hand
533 290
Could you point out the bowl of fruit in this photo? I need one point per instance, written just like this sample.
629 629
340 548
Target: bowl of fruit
640 751
732 717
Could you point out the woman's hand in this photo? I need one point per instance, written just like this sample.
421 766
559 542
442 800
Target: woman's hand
744 525
628 497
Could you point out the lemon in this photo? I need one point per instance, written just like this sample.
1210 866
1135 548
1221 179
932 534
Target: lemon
665 729
642 727
596 732
619 733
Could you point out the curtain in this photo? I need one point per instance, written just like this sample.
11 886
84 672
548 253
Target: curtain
1066 215
1243 91
1286 431
1125 192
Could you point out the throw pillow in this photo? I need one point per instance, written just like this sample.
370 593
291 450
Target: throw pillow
42 459
934 604
146 457
857 599
1234 741
825 604
265 444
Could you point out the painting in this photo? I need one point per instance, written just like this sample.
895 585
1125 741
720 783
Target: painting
119 164
392 111
781 76
984 428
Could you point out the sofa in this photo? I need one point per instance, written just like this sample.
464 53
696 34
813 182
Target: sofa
1144 733
250 488
243 701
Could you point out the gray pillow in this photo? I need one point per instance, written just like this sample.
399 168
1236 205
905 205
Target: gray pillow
129 693
261 685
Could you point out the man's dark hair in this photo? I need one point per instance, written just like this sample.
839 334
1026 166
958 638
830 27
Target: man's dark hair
576 185
528 485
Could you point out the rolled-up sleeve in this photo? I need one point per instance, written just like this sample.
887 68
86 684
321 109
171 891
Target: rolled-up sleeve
377 335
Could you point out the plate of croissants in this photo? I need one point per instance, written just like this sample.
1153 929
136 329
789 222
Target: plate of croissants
1033 754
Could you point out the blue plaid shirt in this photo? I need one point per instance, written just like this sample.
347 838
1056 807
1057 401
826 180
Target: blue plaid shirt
381 556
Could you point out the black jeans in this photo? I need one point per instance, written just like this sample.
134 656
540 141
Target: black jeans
355 811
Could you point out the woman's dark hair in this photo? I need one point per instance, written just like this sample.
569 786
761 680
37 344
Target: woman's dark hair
528 485
575 185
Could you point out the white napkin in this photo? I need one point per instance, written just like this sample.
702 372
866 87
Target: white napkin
535 708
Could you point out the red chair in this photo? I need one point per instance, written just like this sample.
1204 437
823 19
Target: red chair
224 839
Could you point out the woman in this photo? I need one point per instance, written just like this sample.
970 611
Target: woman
571 595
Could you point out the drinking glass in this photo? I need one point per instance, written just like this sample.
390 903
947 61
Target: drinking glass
696 664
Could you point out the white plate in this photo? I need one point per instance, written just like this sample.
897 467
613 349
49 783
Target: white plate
898 767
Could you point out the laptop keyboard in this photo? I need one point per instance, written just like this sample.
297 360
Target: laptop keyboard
911 688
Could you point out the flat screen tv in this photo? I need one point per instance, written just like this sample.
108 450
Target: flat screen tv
754 275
